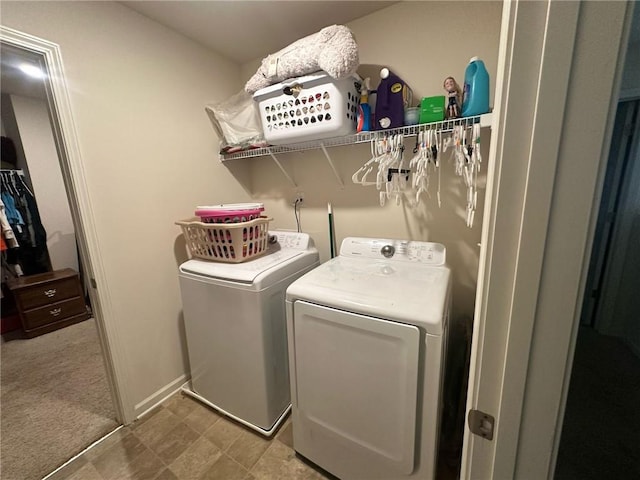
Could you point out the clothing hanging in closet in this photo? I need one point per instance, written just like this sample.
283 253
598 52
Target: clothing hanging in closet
22 230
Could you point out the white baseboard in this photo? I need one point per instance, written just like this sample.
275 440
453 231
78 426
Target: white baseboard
160 396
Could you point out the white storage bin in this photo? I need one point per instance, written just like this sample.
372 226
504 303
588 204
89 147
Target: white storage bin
309 108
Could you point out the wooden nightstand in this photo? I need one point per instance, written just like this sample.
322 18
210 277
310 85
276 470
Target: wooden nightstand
49 301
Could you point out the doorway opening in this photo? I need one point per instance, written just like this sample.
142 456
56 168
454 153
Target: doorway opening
57 392
599 434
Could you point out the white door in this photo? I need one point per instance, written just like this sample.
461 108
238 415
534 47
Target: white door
556 82
355 392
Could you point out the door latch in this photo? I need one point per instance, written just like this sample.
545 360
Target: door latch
481 424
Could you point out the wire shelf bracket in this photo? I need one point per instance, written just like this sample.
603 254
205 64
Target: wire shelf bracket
332 165
282 169
485 120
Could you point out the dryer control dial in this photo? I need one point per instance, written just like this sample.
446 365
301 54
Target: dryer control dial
387 251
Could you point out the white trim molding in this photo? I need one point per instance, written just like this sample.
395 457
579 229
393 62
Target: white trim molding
156 398
534 80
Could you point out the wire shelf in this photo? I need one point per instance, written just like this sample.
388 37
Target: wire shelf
362 137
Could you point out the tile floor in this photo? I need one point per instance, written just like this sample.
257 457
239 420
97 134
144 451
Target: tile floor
185 440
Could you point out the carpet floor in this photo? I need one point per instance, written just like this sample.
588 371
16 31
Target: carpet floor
54 400
600 436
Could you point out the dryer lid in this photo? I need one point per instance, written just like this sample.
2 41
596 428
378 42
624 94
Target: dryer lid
406 292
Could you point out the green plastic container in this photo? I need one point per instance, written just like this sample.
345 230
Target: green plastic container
432 109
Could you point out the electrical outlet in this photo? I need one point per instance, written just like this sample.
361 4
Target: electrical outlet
298 199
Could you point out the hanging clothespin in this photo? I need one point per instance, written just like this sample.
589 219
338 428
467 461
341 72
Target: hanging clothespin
476 146
458 133
434 148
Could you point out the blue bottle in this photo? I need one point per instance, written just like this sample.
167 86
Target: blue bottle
364 109
476 89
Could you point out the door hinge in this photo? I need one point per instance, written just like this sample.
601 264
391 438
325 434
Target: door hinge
93 283
481 424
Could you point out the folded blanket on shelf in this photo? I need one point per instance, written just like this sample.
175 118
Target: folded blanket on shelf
332 49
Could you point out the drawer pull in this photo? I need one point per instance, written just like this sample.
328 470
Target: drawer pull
55 312
50 293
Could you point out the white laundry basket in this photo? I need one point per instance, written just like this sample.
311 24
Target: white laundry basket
308 108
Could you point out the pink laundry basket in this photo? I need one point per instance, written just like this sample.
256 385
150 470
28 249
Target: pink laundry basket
230 212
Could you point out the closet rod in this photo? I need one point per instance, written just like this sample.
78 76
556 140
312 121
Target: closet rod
20 174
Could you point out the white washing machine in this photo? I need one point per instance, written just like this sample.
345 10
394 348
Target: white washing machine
234 316
367 338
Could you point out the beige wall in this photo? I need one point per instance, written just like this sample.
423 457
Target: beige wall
138 92
422 42
137 95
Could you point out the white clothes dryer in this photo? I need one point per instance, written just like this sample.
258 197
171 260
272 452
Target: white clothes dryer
367 338
234 317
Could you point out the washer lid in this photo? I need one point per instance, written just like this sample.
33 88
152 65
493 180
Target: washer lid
245 272
408 292
292 252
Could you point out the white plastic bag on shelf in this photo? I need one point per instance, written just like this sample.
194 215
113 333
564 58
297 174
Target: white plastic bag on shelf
237 123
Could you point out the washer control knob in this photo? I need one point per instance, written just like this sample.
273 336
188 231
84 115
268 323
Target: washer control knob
387 251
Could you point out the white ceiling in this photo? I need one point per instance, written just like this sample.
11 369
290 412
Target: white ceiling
240 30
246 30
265 27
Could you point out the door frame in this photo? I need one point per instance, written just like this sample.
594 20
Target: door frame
72 167
545 174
